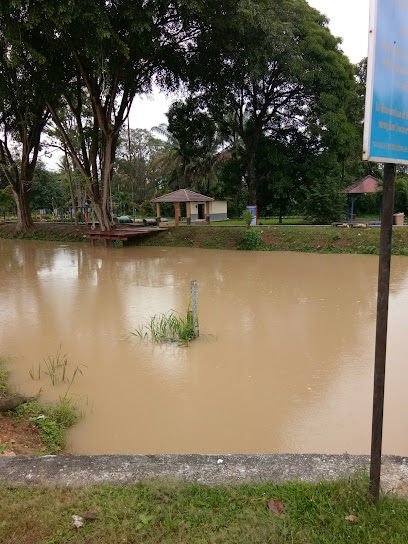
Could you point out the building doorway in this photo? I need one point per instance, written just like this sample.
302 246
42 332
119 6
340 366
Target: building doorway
201 211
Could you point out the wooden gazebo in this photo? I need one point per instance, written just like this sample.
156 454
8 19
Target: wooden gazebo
360 187
183 195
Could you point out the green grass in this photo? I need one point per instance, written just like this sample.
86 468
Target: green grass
164 512
302 238
4 385
56 368
53 420
169 327
275 221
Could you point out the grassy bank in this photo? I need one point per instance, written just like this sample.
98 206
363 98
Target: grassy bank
302 238
34 428
54 232
190 513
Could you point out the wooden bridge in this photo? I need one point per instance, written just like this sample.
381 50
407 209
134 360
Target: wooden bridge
122 234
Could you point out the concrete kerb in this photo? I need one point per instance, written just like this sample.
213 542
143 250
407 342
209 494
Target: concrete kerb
206 469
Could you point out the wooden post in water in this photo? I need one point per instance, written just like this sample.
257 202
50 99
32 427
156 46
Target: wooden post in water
194 307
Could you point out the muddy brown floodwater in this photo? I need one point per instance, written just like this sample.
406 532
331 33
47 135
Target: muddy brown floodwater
284 363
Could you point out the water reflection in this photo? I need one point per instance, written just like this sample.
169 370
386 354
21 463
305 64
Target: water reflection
284 364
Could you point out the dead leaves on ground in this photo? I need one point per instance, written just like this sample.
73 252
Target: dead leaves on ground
275 506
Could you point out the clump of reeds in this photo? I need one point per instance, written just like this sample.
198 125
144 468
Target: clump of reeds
169 327
56 367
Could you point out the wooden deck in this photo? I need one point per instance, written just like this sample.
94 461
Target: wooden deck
122 234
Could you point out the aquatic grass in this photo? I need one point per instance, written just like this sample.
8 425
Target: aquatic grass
56 367
35 374
168 327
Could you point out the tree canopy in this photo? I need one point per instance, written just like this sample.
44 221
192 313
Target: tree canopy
271 103
273 68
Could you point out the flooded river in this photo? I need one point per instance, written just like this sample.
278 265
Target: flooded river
284 363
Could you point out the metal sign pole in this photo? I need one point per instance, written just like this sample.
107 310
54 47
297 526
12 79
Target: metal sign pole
381 331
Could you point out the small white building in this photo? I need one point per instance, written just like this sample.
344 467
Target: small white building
198 207
218 211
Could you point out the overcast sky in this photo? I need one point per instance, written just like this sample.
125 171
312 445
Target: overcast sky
348 21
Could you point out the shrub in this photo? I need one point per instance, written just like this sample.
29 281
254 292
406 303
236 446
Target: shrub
252 240
247 216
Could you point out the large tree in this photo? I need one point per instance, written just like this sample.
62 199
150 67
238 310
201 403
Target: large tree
109 52
23 111
273 67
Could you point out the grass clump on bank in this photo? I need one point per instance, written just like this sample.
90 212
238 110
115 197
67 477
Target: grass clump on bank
51 419
169 327
190 513
4 385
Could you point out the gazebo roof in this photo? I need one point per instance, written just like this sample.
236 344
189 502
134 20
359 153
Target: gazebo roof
183 195
362 186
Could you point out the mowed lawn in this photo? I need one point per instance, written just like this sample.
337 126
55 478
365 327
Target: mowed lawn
165 512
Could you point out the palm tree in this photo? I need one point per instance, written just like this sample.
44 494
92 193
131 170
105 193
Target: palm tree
197 171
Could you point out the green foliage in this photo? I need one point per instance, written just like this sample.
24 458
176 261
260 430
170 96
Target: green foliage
146 209
4 385
370 250
247 218
56 368
53 420
252 240
138 170
170 327
23 111
324 203
7 202
401 195
296 86
173 512
47 191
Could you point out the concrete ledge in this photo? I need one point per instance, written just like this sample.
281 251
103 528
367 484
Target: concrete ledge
206 469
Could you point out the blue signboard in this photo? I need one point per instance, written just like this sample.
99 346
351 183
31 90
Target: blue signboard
386 115
254 211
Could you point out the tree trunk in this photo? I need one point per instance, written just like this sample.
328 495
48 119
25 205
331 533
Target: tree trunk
71 189
9 403
280 213
99 214
107 166
24 220
251 177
